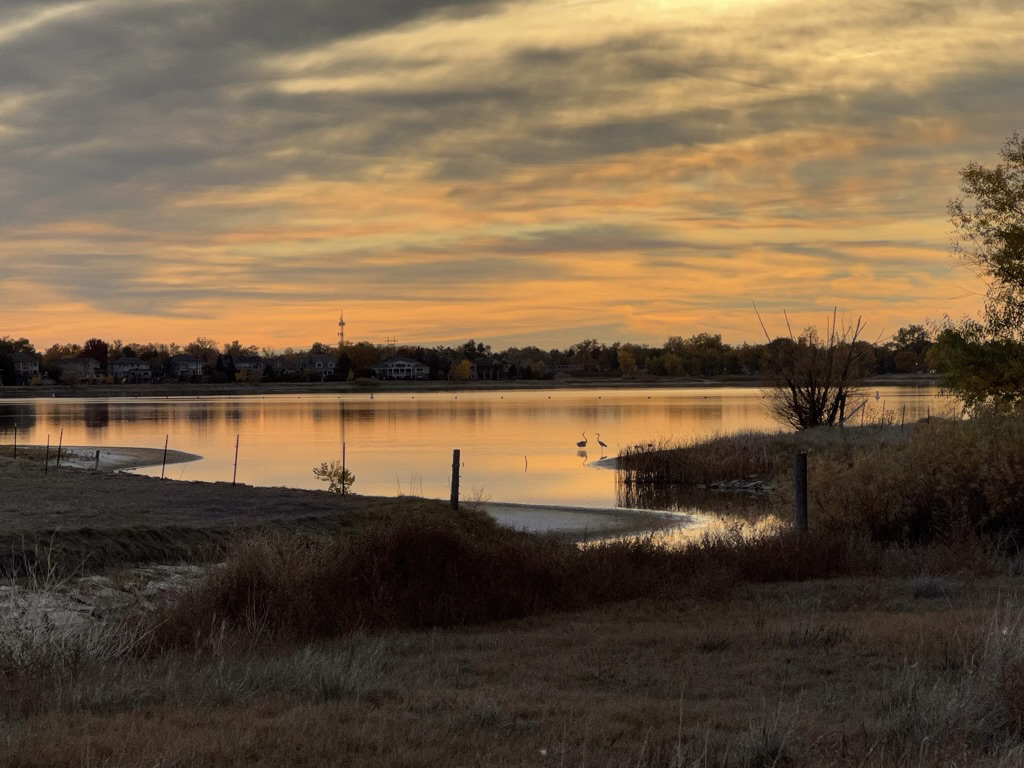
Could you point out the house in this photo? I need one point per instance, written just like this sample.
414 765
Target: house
319 364
184 366
401 369
488 369
79 370
246 367
130 370
26 367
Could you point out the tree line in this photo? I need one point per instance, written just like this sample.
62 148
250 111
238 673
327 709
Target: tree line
701 356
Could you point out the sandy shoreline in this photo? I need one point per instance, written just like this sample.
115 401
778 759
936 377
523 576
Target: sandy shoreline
536 518
113 458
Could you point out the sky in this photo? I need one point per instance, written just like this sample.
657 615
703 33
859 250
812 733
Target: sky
523 172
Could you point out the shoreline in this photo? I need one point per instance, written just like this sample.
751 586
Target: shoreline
535 518
114 458
414 387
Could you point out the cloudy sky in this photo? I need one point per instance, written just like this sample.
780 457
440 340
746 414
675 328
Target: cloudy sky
515 172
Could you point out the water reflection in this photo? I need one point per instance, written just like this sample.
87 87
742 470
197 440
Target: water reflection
518 446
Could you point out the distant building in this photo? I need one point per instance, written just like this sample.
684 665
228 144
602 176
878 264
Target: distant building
26 367
401 369
130 370
488 369
247 367
79 370
318 364
184 367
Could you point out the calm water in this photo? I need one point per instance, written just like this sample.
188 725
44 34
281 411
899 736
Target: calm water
516 446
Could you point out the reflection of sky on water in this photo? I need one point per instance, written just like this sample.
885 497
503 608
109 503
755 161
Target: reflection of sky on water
516 446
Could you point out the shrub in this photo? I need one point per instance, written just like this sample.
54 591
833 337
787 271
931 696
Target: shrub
338 478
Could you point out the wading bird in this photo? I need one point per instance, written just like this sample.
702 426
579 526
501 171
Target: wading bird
582 443
601 443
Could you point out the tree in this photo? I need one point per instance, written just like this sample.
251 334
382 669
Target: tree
812 379
989 235
461 371
97 349
982 359
204 348
627 362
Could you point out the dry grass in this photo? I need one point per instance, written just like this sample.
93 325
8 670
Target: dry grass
847 672
951 479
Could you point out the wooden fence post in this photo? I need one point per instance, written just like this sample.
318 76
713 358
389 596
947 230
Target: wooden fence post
800 496
163 464
455 478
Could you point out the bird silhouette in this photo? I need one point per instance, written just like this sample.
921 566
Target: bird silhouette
601 443
582 443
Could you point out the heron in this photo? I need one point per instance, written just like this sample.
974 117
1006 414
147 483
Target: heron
601 442
582 443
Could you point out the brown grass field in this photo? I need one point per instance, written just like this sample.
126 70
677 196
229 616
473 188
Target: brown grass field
385 632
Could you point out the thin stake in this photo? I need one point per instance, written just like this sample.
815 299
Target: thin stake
455 478
163 465
46 465
234 475
800 487
97 467
903 417
344 470
59 444
15 441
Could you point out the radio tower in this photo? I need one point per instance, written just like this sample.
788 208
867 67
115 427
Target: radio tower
341 330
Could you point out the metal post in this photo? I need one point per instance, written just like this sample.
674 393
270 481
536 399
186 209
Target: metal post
234 475
800 488
46 464
344 467
15 441
60 443
455 478
163 465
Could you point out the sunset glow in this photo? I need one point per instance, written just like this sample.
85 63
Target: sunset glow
518 173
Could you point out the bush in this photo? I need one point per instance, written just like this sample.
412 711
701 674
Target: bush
338 478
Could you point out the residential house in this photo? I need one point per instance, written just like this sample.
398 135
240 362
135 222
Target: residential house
130 370
401 369
79 370
246 367
185 367
488 369
26 367
318 364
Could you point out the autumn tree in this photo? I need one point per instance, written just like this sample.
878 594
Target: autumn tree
204 348
984 360
97 349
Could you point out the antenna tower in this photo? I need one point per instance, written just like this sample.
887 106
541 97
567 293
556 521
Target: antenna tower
341 330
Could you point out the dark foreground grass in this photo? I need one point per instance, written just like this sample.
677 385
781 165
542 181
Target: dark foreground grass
436 571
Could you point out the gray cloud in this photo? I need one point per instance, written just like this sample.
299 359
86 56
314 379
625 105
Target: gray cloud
117 111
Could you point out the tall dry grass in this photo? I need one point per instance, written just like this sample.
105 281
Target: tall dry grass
433 572
948 480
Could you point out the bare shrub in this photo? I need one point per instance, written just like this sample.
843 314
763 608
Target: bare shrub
812 378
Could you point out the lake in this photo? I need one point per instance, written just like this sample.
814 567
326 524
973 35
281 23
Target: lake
516 446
